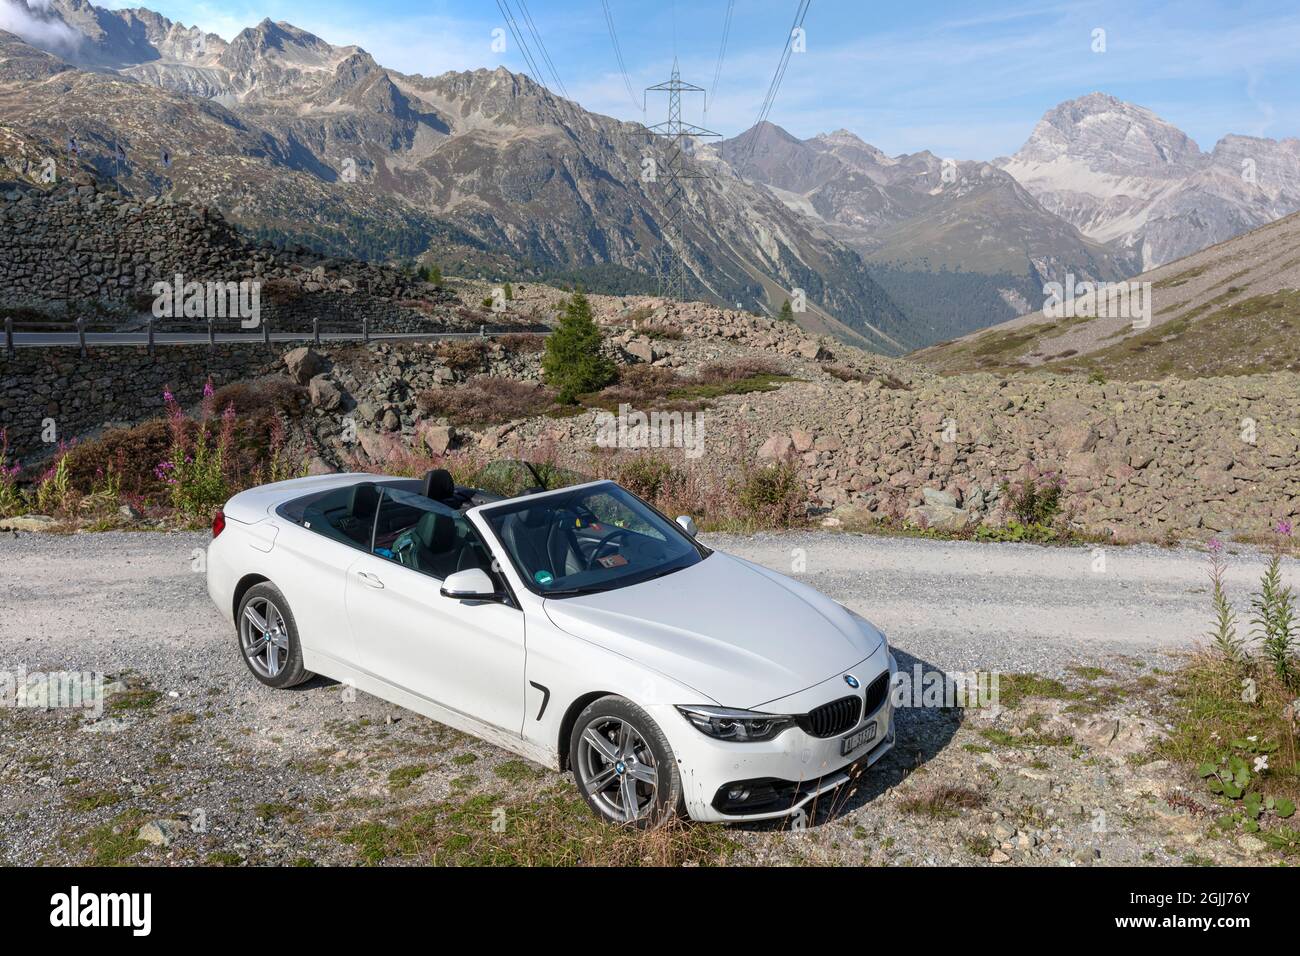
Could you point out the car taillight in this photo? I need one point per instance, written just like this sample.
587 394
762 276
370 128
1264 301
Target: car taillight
218 523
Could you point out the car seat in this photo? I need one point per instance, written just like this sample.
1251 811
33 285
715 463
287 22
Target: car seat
431 546
536 537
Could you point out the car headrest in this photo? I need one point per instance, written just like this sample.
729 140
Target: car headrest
438 484
535 517
364 501
436 532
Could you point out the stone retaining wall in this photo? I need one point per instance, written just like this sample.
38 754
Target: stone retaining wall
120 385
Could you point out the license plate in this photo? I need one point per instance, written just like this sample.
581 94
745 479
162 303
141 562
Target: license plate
856 739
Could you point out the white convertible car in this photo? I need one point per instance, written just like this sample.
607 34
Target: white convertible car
576 626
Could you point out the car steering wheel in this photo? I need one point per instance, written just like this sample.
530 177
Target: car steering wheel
595 554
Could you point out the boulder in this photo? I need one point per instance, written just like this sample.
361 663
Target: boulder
304 364
325 394
939 517
940 499
28 523
777 447
437 438
642 349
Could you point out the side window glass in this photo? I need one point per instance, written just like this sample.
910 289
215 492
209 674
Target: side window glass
425 536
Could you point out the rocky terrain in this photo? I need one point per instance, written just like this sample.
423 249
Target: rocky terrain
884 439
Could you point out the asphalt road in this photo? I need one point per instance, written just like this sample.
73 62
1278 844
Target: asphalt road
100 339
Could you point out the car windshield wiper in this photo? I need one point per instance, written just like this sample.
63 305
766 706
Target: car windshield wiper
664 571
570 592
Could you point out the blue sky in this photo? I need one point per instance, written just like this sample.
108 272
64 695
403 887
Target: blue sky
967 80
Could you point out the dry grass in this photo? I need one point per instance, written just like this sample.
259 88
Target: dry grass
523 343
486 400
943 800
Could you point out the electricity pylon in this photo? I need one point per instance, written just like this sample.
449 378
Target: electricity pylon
676 135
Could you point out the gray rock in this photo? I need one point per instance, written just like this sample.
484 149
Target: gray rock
160 832
28 523
325 394
303 363
936 498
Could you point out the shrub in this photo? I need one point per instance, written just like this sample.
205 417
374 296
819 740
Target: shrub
1036 500
11 499
737 370
250 398
573 363
640 386
522 343
646 475
771 496
129 454
846 373
661 330
464 355
485 400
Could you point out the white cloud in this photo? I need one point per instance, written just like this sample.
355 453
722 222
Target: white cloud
32 21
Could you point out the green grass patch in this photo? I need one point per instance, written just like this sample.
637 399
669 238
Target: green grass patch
556 829
403 777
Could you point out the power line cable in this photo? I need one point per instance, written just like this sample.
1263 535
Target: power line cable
722 52
513 26
618 55
778 76
537 37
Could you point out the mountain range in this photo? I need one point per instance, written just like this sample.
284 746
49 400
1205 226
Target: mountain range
298 139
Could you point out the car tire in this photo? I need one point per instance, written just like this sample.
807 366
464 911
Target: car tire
610 764
268 637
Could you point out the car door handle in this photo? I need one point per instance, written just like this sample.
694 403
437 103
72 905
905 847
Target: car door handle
370 579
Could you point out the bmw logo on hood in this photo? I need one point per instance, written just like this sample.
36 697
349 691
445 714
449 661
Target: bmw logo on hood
851 681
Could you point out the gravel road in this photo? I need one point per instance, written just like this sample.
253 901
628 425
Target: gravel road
286 777
120 600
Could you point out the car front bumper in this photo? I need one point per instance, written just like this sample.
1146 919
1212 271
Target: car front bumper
786 775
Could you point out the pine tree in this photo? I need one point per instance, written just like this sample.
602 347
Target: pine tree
573 363
787 313
510 292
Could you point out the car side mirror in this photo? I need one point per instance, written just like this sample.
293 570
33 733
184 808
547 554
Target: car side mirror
687 524
468 585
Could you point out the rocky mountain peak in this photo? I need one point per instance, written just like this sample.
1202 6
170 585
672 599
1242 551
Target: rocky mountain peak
1110 135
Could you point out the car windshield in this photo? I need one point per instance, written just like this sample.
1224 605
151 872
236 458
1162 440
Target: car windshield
591 539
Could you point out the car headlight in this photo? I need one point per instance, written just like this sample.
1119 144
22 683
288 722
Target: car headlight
742 726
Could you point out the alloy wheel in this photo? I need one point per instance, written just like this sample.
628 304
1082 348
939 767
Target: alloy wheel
616 768
264 637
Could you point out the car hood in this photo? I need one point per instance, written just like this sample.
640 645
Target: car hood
736 632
